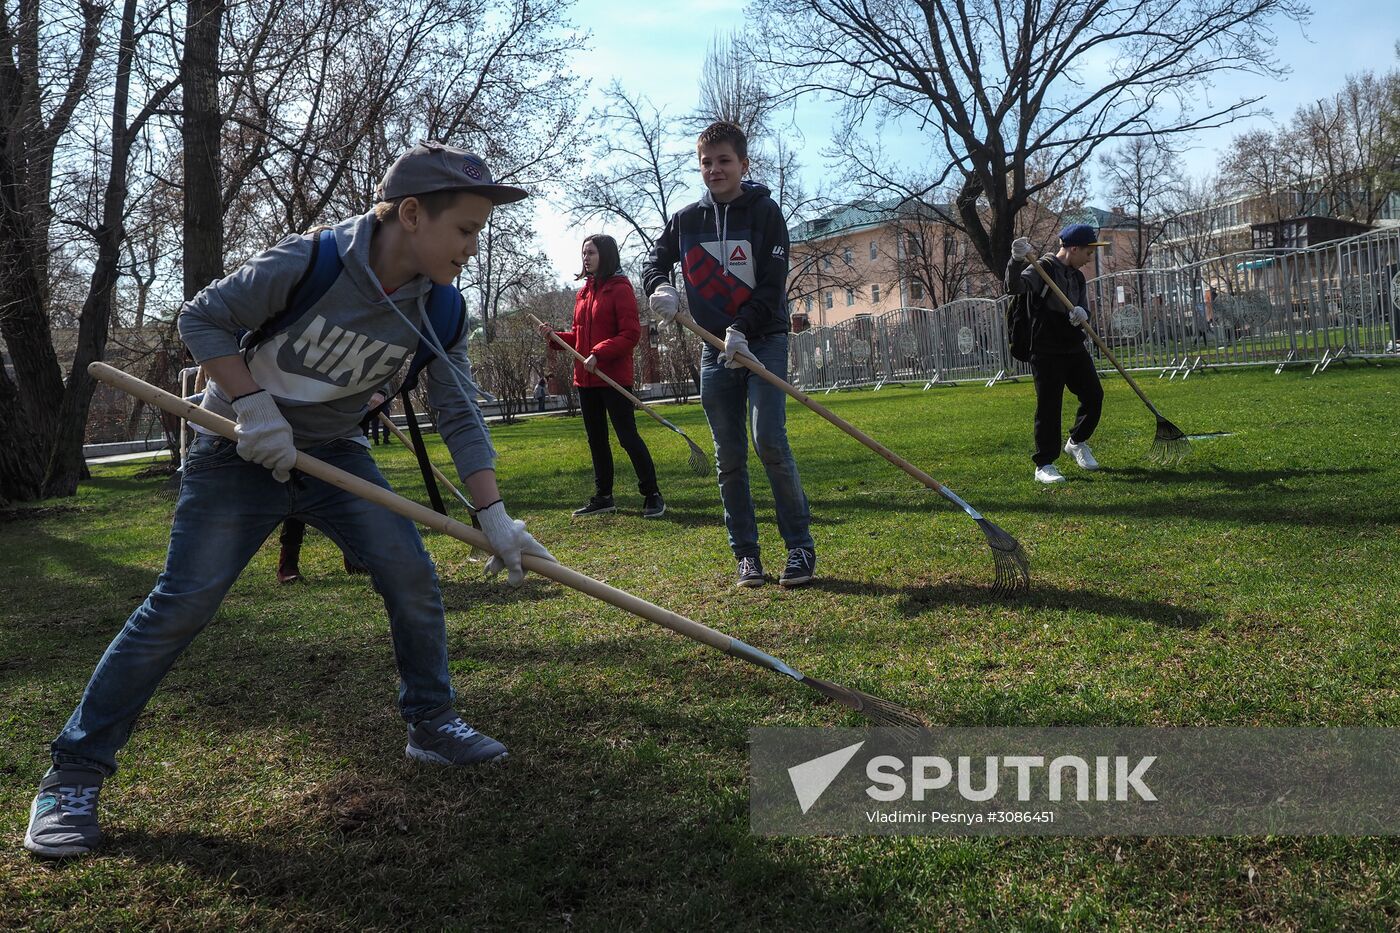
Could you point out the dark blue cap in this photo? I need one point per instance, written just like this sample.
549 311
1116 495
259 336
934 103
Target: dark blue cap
1080 235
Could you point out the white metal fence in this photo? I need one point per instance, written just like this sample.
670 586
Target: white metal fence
1263 307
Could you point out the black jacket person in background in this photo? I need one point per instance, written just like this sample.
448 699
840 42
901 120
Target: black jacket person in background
1059 358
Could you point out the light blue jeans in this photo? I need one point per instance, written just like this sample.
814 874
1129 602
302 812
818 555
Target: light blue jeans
226 509
736 400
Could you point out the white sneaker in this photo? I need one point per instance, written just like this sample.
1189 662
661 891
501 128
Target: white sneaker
1082 455
1049 474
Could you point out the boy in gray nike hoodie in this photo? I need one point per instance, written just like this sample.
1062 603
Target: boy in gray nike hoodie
306 388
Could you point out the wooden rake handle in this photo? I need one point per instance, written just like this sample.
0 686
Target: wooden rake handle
408 442
601 375
1103 347
426 516
769 376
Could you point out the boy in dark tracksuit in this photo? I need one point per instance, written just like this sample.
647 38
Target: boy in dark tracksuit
1059 358
733 248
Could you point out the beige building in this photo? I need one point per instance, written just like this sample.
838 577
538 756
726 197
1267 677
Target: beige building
871 257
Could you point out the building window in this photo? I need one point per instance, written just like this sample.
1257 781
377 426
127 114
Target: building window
826 262
874 294
808 304
846 256
912 244
828 300
916 291
950 245
850 297
874 249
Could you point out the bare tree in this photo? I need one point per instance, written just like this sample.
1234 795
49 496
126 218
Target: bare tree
509 364
934 253
1345 146
1143 176
66 465
506 269
1263 167
1198 224
997 85
48 59
49 421
643 174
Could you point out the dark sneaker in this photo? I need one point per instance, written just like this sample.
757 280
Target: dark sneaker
446 740
750 572
63 817
801 567
654 506
598 505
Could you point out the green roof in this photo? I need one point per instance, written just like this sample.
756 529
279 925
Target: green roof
861 215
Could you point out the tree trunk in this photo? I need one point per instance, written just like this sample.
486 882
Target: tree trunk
20 457
30 402
200 136
66 466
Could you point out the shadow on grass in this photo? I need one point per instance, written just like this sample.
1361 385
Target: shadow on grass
917 600
1248 497
1233 479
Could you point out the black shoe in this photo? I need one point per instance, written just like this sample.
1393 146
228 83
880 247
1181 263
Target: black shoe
750 572
654 506
598 505
801 567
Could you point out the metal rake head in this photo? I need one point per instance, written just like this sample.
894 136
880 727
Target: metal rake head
1171 445
1012 566
881 712
699 460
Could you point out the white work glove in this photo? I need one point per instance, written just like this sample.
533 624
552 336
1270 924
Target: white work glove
665 303
509 539
1078 316
1020 248
264 436
734 343
590 362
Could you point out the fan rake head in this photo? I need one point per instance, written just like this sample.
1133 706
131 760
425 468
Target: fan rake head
1171 445
1012 566
699 460
881 712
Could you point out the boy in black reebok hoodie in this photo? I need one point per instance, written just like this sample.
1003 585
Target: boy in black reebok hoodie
733 248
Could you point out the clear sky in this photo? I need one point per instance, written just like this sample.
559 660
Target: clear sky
654 49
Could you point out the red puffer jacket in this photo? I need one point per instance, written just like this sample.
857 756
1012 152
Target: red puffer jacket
605 325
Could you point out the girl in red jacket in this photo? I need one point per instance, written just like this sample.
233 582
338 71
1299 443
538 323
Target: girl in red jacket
606 329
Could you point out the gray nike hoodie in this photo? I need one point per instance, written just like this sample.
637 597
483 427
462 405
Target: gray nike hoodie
323 368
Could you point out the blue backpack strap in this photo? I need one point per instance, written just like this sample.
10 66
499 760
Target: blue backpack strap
447 313
321 272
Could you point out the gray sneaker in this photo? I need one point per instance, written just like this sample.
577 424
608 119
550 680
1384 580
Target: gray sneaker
63 817
447 740
750 572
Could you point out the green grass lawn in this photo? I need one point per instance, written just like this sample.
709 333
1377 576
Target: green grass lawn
266 786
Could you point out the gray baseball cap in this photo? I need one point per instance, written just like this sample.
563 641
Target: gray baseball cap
430 166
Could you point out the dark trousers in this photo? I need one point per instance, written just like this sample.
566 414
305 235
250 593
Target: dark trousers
598 405
1053 374
293 531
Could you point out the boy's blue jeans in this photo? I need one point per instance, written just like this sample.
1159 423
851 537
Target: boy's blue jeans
226 509
734 399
